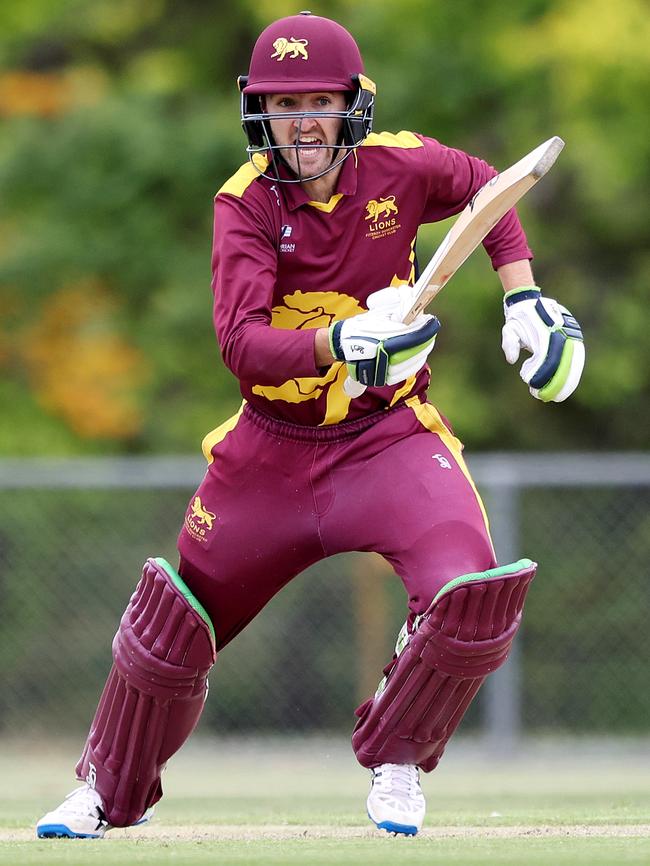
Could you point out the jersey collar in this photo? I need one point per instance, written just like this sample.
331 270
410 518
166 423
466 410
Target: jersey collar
295 195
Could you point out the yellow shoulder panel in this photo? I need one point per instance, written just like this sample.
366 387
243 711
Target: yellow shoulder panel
401 139
244 177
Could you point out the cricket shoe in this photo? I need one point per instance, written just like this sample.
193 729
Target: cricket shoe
80 816
396 802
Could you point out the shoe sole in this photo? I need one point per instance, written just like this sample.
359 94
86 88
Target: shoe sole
60 831
392 827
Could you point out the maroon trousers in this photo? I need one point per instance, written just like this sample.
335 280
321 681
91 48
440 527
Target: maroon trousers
275 499
278 497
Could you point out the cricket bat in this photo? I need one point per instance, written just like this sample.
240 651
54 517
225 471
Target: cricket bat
488 205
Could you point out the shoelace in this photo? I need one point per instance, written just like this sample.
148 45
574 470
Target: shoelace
73 801
398 779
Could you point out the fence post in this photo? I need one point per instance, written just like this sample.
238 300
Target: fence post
501 692
373 638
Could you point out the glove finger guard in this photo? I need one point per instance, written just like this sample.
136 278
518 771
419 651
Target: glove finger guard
554 338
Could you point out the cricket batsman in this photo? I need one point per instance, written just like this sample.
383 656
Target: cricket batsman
314 247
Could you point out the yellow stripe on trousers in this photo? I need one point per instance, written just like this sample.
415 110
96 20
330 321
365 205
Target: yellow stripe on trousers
218 434
429 417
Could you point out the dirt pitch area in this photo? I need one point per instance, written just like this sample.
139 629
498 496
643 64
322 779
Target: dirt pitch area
218 833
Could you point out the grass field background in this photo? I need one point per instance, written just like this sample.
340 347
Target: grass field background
303 802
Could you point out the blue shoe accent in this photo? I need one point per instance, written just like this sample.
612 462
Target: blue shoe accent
60 831
146 817
392 827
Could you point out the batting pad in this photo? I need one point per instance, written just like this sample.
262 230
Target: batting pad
465 634
154 695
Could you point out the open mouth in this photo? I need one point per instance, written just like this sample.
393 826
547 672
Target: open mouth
309 145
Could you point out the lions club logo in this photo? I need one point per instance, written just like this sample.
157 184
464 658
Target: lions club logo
382 208
199 520
381 214
292 48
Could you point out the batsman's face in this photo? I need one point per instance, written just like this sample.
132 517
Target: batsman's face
306 142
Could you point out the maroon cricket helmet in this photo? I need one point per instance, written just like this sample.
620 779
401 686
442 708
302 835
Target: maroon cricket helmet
305 54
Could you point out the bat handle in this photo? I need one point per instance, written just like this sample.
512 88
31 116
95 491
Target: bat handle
353 388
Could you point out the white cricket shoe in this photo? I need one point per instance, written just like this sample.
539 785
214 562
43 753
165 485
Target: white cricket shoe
80 816
396 802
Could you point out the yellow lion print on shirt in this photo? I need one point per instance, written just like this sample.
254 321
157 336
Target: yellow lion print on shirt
309 310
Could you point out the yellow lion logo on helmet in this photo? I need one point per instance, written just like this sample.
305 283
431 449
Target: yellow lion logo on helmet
292 47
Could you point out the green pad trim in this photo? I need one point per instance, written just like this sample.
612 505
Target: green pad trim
191 599
490 574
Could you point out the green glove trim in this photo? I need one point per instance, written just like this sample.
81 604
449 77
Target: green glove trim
512 292
555 385
405 354
334 340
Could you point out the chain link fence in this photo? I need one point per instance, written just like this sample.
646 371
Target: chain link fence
74 535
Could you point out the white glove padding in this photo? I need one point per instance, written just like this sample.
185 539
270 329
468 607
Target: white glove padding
553 336
395 301
381 350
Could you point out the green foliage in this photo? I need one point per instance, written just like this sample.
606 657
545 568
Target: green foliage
120 121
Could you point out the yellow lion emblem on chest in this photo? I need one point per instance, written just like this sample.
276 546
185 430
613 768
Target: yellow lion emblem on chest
382 208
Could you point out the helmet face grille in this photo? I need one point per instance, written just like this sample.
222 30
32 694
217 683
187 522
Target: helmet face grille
304 54
357 122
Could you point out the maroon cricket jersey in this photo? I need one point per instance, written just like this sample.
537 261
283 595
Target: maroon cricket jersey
283 261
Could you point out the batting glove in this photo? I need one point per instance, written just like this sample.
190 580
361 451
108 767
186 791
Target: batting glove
552 335
381 350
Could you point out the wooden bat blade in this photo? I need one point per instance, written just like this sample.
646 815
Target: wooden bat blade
487 207
484 211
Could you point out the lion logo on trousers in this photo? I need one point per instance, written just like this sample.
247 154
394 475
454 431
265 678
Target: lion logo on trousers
292 47
201 514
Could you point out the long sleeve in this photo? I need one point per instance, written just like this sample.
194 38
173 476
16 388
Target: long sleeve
244 265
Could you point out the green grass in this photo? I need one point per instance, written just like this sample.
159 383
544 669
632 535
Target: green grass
303 802
572 852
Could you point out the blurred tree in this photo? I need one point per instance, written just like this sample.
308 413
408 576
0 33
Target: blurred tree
79 367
